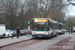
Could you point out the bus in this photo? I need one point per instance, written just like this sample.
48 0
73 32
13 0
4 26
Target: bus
44 27
62 28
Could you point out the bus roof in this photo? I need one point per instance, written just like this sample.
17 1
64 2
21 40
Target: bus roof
41 18
54 21
45 19
48 19
62 23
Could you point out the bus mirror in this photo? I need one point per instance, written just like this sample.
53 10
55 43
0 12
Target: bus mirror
60 25
49 21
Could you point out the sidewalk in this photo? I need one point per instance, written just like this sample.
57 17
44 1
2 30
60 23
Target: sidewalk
72 40
8 41
70 44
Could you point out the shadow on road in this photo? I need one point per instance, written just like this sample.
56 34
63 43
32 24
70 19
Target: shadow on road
42 38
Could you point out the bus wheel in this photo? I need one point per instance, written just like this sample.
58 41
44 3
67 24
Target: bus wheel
63 33
56 34
36 37
51 35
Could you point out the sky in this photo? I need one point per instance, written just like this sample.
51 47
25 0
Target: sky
71 10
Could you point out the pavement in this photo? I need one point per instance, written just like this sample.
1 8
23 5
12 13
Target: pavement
72 40
9 41
70 45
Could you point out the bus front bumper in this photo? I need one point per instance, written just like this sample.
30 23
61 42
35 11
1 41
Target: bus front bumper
60 33
41 35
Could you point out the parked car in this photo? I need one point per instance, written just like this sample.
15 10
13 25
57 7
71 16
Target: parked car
14 32
8 33
23 32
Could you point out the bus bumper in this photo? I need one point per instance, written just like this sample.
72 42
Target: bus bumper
41 35
60 33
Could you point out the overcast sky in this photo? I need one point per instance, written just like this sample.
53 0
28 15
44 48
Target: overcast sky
71 9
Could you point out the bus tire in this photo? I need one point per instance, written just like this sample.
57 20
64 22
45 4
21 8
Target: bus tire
51 35
56 34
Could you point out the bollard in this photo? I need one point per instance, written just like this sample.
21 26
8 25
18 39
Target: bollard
28 33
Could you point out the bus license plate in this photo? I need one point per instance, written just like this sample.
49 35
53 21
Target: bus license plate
39 36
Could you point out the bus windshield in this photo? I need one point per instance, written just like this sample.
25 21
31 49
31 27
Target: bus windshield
40 26
62 27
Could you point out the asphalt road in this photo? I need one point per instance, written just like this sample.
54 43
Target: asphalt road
47 43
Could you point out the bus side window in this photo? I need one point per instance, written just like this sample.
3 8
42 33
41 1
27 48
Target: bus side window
50 28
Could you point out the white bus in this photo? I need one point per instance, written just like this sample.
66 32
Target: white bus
62 28
44 27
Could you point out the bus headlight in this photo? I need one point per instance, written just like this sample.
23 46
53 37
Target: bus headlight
59 31
47 33
32 33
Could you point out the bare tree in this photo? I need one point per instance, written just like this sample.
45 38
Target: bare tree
17 13
72 2
10 9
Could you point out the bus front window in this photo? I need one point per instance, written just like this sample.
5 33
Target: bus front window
40 26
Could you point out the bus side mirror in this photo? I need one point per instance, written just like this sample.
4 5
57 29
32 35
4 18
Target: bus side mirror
60 25
49 21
